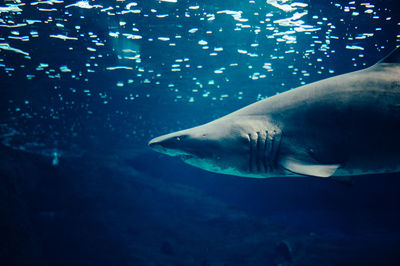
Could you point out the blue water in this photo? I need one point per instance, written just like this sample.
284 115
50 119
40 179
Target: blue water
86 84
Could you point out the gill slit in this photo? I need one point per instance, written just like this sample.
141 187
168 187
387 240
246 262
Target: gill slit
258 152
278 140
250 153
265 153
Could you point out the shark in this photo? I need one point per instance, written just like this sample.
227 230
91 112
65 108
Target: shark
344 126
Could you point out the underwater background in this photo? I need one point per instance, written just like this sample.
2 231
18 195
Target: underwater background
86 84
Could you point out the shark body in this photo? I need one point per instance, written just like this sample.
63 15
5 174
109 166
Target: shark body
341 126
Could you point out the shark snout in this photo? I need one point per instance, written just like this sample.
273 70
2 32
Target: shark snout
164 144
169 144
156 144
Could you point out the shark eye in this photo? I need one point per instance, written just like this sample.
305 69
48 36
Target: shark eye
180 138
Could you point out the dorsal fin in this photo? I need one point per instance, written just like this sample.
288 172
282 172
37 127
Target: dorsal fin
393 57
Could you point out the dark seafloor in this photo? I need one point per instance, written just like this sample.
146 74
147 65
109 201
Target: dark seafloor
84 86
100 213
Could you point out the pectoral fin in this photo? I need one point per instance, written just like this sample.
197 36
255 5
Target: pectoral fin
306 168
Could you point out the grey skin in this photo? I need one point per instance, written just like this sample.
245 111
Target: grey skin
337 127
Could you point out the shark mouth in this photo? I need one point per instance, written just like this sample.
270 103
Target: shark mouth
185 157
